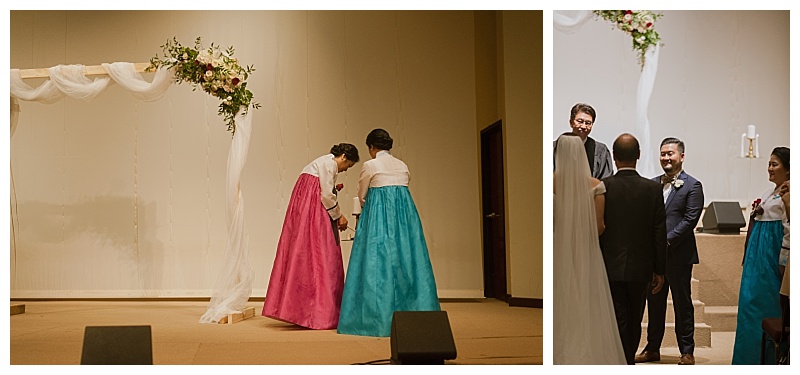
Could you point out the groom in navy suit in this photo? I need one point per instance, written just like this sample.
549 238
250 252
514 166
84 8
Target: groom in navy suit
683 201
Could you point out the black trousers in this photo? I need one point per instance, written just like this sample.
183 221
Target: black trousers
629 297
678 280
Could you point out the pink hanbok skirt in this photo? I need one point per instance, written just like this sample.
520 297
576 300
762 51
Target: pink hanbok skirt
305 287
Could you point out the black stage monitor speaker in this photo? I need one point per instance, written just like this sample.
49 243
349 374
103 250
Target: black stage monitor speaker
723 218
117 345
421 338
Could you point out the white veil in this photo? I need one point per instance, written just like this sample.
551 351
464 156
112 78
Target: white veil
584 324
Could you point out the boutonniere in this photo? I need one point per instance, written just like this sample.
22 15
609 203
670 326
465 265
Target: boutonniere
337 188
677 183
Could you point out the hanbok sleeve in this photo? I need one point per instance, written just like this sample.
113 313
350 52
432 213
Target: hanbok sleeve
327 178
363 181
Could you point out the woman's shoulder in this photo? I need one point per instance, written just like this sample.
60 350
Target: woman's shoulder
598 187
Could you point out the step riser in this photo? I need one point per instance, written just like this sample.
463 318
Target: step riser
702 336
699 312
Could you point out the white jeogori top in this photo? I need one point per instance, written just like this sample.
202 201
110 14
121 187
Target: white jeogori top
384 170
326 169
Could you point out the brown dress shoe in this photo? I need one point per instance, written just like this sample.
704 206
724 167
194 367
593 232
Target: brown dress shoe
686 359
647 356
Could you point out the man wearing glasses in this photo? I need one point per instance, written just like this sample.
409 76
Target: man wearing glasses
581 119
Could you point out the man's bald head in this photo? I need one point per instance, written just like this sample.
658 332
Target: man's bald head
626 150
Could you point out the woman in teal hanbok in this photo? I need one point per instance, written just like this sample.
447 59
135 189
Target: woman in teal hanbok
389 268
766 253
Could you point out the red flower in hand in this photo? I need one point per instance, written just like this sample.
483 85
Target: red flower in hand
339 187
757 209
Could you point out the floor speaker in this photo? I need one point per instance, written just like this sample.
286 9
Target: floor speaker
723 218
117 345
421 338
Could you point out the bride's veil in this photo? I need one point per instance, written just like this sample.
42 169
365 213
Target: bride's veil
574 203
584 326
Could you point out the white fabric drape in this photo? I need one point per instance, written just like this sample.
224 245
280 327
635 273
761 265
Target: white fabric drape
70 80
647 166
126 75
234 283
570 24
46 93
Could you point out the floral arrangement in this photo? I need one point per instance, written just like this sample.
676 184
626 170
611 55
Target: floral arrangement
639 24
216 72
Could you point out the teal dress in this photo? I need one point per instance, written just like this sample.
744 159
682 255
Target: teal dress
389 268
761 283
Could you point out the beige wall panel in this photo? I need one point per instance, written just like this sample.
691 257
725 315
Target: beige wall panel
120 198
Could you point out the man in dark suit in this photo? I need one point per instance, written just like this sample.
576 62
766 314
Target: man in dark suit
634 243
683 199
581 120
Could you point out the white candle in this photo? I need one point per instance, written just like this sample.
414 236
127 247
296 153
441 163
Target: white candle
751 131
356 206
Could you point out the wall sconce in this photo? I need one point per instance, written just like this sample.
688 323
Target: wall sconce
753 146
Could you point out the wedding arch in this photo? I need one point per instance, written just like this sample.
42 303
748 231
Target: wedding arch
233 285
647 42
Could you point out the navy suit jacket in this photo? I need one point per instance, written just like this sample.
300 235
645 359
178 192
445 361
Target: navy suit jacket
683 207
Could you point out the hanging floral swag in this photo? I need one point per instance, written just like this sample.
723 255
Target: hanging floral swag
216 72
639 24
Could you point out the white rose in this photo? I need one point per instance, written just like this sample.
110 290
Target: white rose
209 73
185 56
229 98
627 17
227 88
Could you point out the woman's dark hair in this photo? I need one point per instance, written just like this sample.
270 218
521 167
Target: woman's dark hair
350 152
380 139
782 153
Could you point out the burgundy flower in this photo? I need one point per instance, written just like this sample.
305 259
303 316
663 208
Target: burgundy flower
209 66
235 81
339 187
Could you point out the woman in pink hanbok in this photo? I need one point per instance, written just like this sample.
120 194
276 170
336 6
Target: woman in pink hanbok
305 287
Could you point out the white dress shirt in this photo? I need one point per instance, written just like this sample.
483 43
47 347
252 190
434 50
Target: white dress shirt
326 169
384 170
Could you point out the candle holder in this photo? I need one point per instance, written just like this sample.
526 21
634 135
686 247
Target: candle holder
752 148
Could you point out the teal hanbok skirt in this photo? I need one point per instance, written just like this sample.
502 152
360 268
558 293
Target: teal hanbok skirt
759 291
389 268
